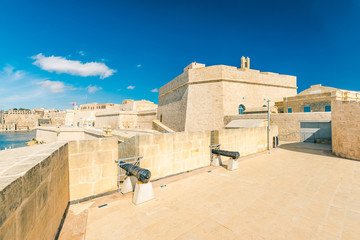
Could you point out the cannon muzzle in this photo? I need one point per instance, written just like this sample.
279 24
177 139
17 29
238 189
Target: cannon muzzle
233 155
143 175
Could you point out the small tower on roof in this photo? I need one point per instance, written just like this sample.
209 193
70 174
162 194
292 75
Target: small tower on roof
245 62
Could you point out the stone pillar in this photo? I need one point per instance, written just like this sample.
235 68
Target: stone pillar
248 63
243 62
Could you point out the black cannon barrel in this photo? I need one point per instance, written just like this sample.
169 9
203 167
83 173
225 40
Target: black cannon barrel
143 175
234 155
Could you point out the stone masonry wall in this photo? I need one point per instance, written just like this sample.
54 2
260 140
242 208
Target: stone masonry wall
172 153
34 191
288 123
246 141
92 167
345 117
169 153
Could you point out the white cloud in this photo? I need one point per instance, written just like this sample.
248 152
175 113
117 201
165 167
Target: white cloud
130 87
53 86
154 90
93 89
8 73
81 53
63 65
139 65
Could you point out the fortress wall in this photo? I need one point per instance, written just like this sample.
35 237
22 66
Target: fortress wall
345 118
173 84
169 153
244 140
204 107
172 109
92 167
34 191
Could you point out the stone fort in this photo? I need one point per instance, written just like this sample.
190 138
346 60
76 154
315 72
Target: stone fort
201 96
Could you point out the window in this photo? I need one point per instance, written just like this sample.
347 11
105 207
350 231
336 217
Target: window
281 110
241 109
289 110
327 108
307 109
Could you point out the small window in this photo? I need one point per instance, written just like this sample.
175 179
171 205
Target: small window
327 108
281 110
307 109
241 109
289 110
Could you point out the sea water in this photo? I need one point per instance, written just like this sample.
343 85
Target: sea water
15 139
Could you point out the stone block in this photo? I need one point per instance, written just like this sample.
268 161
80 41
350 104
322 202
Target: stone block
216 160
109 170
26 217
89 174
103 157
86 146
105 185
80 160
8 229
108 144
80 191
42 195
143 193
232 164
73 147
31 180
74 176
129 184
10 199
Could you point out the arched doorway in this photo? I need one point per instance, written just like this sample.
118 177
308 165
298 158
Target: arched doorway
241 109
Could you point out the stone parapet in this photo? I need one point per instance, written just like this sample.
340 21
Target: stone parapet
34 191
92 167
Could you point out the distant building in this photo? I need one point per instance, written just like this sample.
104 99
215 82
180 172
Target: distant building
201 96
129 114
315 99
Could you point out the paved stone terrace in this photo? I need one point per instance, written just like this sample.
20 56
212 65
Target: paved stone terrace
298 191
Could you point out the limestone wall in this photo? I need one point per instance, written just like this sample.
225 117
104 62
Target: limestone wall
169 153
92 167
125 119
345 117
34 191
172 108
288 123
244 140
53 134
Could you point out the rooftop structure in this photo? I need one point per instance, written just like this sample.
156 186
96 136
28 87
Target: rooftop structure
315 99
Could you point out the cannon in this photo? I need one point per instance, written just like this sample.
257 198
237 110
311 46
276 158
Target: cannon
233 155
143 175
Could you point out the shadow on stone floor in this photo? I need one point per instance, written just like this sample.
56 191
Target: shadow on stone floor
311 148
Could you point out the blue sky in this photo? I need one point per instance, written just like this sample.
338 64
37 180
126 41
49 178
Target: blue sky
53 53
